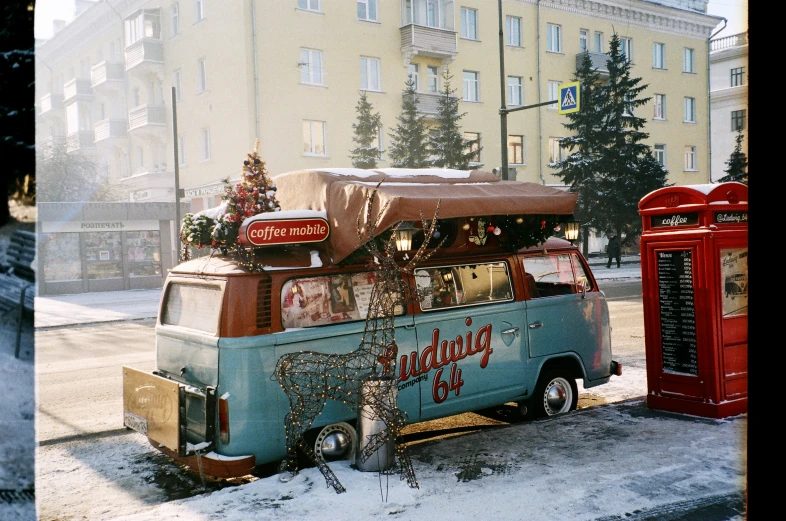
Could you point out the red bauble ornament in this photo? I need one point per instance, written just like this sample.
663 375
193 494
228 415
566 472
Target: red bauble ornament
542 224
490 228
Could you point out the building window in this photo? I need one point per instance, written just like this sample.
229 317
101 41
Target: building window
469 23
688 60
177 83
314 138
175 19
660 155
205 144
553 93
660 106
553 38
433 78
738 76
626 48
433 16
367 10
659 55
627 104
414 75
370 77
308 5
597 42
690 158
472 139
513 26
201 76
181 150
311 67
199 10
556 151
516 150
583 40
690 110
378 142
515 94
737 120
471 86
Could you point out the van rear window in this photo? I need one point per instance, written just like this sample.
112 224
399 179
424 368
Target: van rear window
195 306
316 301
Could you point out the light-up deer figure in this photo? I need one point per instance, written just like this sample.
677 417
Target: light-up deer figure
311 378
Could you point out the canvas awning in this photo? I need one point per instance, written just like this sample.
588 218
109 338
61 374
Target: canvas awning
411 194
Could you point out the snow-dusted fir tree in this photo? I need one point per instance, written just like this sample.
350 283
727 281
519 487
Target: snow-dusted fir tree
737 165
408 147
366 153
612 168
446 141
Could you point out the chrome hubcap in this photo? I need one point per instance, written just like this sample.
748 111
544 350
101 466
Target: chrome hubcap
557 397
335 442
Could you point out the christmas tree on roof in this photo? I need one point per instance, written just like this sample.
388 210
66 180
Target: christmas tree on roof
218 227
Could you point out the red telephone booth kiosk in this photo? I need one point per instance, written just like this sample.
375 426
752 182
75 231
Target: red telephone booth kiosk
694 266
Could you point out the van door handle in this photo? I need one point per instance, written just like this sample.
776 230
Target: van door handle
511 330
409 326
536 325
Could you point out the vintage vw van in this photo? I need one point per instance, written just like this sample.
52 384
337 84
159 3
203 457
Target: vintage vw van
486 324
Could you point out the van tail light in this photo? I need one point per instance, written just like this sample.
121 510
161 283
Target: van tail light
616 368
223 420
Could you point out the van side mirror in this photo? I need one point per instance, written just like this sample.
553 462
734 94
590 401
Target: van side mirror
584 286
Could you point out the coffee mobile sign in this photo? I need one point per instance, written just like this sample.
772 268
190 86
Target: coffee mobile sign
276 232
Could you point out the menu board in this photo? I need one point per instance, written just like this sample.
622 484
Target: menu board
677 312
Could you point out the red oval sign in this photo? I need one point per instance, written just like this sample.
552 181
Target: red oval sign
273 232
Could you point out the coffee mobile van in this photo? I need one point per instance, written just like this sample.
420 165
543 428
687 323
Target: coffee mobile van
489 323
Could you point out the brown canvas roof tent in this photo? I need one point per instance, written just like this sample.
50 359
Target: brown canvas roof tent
411 194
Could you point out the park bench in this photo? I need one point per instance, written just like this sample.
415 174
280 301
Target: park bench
17 280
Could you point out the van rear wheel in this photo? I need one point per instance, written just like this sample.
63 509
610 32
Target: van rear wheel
556 393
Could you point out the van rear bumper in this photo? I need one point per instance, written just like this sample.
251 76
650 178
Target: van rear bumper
616 368
212 464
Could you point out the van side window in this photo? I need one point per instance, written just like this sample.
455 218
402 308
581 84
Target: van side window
316 301
552 275
465 285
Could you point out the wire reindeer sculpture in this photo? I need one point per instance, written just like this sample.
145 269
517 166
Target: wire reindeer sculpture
311 378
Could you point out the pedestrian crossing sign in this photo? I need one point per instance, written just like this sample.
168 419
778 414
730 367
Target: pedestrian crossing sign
569 98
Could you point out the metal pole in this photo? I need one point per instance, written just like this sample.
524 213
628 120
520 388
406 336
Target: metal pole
503 116
177 178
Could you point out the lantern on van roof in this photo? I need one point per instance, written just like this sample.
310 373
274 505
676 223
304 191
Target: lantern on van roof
572 230
404 233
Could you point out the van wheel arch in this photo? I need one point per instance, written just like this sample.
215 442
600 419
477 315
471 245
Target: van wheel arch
556 391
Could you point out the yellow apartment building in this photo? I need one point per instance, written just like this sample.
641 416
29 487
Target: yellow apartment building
290 72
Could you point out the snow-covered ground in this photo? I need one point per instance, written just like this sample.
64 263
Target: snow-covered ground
610 462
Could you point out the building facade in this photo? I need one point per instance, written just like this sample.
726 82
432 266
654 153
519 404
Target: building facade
728 98
290 73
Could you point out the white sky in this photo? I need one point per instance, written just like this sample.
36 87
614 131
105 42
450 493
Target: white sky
735 11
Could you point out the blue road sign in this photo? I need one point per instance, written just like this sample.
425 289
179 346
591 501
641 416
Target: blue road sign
569 98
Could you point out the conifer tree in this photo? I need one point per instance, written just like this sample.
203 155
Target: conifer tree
446 142
408 148
612 168
365 154
737 165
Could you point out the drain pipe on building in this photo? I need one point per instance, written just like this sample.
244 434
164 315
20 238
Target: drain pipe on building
709 99
540 124
256 65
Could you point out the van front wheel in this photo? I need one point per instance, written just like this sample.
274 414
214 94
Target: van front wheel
555 394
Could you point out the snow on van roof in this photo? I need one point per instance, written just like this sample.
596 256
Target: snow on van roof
445 173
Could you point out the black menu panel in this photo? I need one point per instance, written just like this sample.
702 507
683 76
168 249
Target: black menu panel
677 312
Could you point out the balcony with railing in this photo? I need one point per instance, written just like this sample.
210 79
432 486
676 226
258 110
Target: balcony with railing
428 104
77 89
50 103
107 130
80 140
727 42
107 77
599 61
148 121
144 52
427 29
